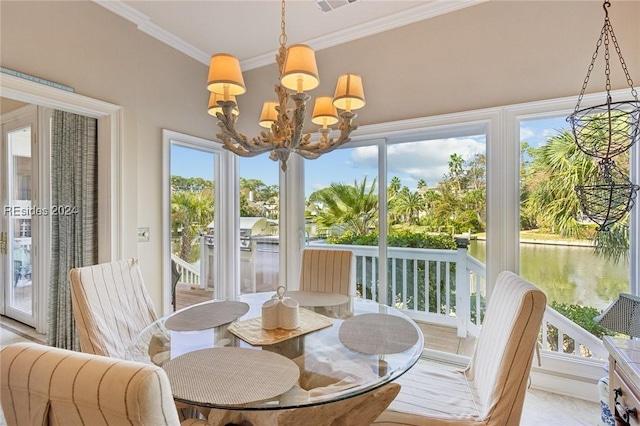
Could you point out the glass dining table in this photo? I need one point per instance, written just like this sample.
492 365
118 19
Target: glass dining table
217 355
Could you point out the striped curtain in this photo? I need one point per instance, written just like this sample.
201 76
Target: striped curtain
74 219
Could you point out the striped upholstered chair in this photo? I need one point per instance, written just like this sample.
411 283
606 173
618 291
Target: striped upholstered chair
327 271
41 385
110 305
491 390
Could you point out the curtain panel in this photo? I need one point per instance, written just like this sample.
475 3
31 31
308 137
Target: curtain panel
74 184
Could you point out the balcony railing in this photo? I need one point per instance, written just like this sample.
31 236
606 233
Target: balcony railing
457 282
438 286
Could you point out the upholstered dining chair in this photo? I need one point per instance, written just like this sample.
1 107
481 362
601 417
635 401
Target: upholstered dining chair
491 390
42 385
327 271
110 305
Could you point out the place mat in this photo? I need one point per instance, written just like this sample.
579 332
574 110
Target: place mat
378 334
230 376
251 330
207 315
316 298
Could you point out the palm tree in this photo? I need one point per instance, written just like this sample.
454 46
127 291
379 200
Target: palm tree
557 167
455 168
354 208
191 212
408 205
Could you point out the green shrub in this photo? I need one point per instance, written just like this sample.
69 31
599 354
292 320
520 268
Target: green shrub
399 238
582 316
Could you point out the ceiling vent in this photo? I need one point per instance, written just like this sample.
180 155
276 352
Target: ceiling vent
329 5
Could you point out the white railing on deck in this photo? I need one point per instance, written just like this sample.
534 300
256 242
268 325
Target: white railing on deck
189 274
452 276
569 338
460 297
466 310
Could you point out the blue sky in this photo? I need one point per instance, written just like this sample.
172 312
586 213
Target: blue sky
409 161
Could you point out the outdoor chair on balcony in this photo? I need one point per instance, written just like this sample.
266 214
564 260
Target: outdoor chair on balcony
327 271
491 390
42 385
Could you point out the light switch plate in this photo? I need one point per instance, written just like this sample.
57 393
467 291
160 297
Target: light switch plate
143 235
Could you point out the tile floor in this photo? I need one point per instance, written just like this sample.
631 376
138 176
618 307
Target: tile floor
540 408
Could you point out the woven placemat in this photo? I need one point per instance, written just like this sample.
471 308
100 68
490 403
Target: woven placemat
230 376
251 330
316 298
208 315
378 334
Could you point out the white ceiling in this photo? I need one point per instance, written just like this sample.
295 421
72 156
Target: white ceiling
250 29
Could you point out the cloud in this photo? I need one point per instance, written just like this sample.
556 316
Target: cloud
412 161
526 133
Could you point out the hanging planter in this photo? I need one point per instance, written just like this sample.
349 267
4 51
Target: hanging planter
607 196
607 130
603 132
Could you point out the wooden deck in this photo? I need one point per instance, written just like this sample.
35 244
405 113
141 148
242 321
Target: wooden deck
437 337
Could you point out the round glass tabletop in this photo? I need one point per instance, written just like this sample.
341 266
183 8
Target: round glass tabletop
334 363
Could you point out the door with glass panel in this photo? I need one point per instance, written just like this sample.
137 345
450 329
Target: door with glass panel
18 209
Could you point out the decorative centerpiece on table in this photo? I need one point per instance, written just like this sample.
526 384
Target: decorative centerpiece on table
280 312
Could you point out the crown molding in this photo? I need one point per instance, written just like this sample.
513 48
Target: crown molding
144 24
406 17
419 13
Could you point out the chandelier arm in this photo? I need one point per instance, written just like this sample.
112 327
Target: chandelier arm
325 144
235 141
298 118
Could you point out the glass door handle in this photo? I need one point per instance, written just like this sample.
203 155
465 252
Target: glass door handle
3 243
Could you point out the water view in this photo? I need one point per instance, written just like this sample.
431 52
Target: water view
568 274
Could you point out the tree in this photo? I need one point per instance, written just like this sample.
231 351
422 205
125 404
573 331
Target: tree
455 168
408 205
557 167
191 212
353 208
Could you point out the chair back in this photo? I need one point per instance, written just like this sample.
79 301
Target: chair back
500 366
42 385
110 305
327 271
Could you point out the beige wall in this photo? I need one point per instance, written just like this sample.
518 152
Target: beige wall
491 54
103 56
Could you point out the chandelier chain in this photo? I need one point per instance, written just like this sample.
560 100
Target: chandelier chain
283 35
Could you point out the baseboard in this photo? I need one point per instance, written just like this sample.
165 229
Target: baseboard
571 376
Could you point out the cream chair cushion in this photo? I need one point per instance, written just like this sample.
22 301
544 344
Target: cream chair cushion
110 305
491 390
42 385
327 271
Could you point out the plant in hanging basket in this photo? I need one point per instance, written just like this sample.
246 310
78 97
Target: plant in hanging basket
607 130
607 196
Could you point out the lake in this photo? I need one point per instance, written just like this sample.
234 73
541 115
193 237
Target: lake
568 274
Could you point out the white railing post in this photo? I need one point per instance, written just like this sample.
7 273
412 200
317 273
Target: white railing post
463 292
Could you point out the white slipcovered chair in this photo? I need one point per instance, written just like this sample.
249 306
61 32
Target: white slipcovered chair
110 305
42 385
491 390
327 271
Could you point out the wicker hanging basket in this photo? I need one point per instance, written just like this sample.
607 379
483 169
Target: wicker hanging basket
608 196
607 130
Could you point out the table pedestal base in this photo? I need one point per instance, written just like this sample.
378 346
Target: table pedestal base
360 410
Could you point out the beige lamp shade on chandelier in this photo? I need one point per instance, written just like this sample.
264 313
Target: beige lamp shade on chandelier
284 123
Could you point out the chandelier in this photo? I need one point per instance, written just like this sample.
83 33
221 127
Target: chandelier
298 74
603 132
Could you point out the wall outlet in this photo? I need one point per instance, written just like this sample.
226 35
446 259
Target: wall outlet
143 235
